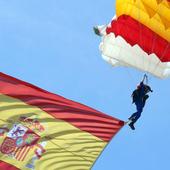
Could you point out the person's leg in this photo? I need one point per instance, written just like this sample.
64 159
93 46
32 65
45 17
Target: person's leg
139 108
131 126
136 116
134 119
132 116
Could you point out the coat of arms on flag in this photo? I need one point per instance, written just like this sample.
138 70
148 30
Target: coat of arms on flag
21 139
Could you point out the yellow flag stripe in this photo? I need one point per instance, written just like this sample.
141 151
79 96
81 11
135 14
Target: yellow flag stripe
66 147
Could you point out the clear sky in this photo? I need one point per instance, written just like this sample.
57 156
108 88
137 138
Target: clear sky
51 44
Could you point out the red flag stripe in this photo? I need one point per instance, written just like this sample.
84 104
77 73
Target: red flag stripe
95 124
6 166
59 107
100 130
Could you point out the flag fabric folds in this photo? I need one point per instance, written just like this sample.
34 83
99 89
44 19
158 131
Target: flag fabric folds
41 130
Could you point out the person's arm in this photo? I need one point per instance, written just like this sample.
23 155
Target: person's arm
142 84
145 78
149 89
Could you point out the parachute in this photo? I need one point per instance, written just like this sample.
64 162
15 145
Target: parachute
139 36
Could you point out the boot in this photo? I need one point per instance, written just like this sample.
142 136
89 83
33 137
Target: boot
132 126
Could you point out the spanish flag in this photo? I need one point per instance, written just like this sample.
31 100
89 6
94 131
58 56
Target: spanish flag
40 130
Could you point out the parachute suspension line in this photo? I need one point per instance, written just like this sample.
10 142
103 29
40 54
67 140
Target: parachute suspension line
131 76
135 60
126 68
162 57
140 39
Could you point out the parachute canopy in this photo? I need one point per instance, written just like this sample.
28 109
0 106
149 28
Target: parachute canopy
139 37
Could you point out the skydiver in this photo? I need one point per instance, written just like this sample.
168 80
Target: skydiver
139 97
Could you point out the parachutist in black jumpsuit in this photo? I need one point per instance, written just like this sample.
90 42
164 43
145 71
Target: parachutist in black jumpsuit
139 98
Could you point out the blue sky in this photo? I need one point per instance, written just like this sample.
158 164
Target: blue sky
51 44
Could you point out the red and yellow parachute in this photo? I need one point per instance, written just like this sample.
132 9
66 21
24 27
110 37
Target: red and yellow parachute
139 36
